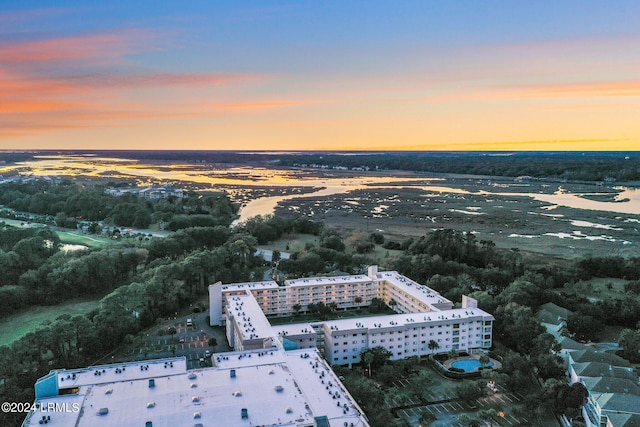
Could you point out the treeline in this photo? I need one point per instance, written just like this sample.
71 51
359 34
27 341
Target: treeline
571 166
269 228
35 272
24 249
152 283
454 263
609 266
68 201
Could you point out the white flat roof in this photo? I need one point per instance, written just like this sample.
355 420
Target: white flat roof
418 319
121 372
294 329
249 286
252 323
416 290
315 281
283 389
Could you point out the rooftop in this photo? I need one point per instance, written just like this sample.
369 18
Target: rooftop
416 290
567 343
592 356
252 323
611 385
616 402
250 286
275 388
392 320
314 281
552 313
120 372
624 420
598 369
293 329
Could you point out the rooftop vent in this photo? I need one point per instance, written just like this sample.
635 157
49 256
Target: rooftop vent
233 373
279 388
194 385
152 383
151 404
192 376
108 391
237 393
103 411
244 413
195 399
148 424
289 410
197 415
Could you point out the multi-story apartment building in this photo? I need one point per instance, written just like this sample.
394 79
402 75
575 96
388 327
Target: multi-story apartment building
248 388
613 394
423 316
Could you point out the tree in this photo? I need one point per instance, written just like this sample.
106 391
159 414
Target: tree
518 327
358 301
296 309
377 305
470 390
359 242
332 241
484 360
630 343
468 421
375 357
584 327
376 237
367 357
487 415
426 418
433 346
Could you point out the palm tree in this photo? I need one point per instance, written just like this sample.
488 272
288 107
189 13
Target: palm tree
433 346
484 360
358 301
487 415
367 358
296 309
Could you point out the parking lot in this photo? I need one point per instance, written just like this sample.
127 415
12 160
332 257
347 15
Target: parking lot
440 400
191 342
441 410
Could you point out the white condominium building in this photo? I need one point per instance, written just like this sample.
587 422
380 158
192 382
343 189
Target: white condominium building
249 388
426 322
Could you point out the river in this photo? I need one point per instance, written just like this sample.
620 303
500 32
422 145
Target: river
627 201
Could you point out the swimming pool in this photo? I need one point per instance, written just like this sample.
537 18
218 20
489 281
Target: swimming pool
468 365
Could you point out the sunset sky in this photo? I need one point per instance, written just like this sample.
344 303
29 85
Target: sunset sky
310 75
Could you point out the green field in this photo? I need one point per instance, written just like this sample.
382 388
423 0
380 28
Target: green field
598 288
295 243
18 325
78 239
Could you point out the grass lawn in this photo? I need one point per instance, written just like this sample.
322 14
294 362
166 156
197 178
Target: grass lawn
21 223
598 288
18 325
296 243
381 254
79 239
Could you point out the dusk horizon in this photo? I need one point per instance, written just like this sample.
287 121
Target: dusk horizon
416 76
